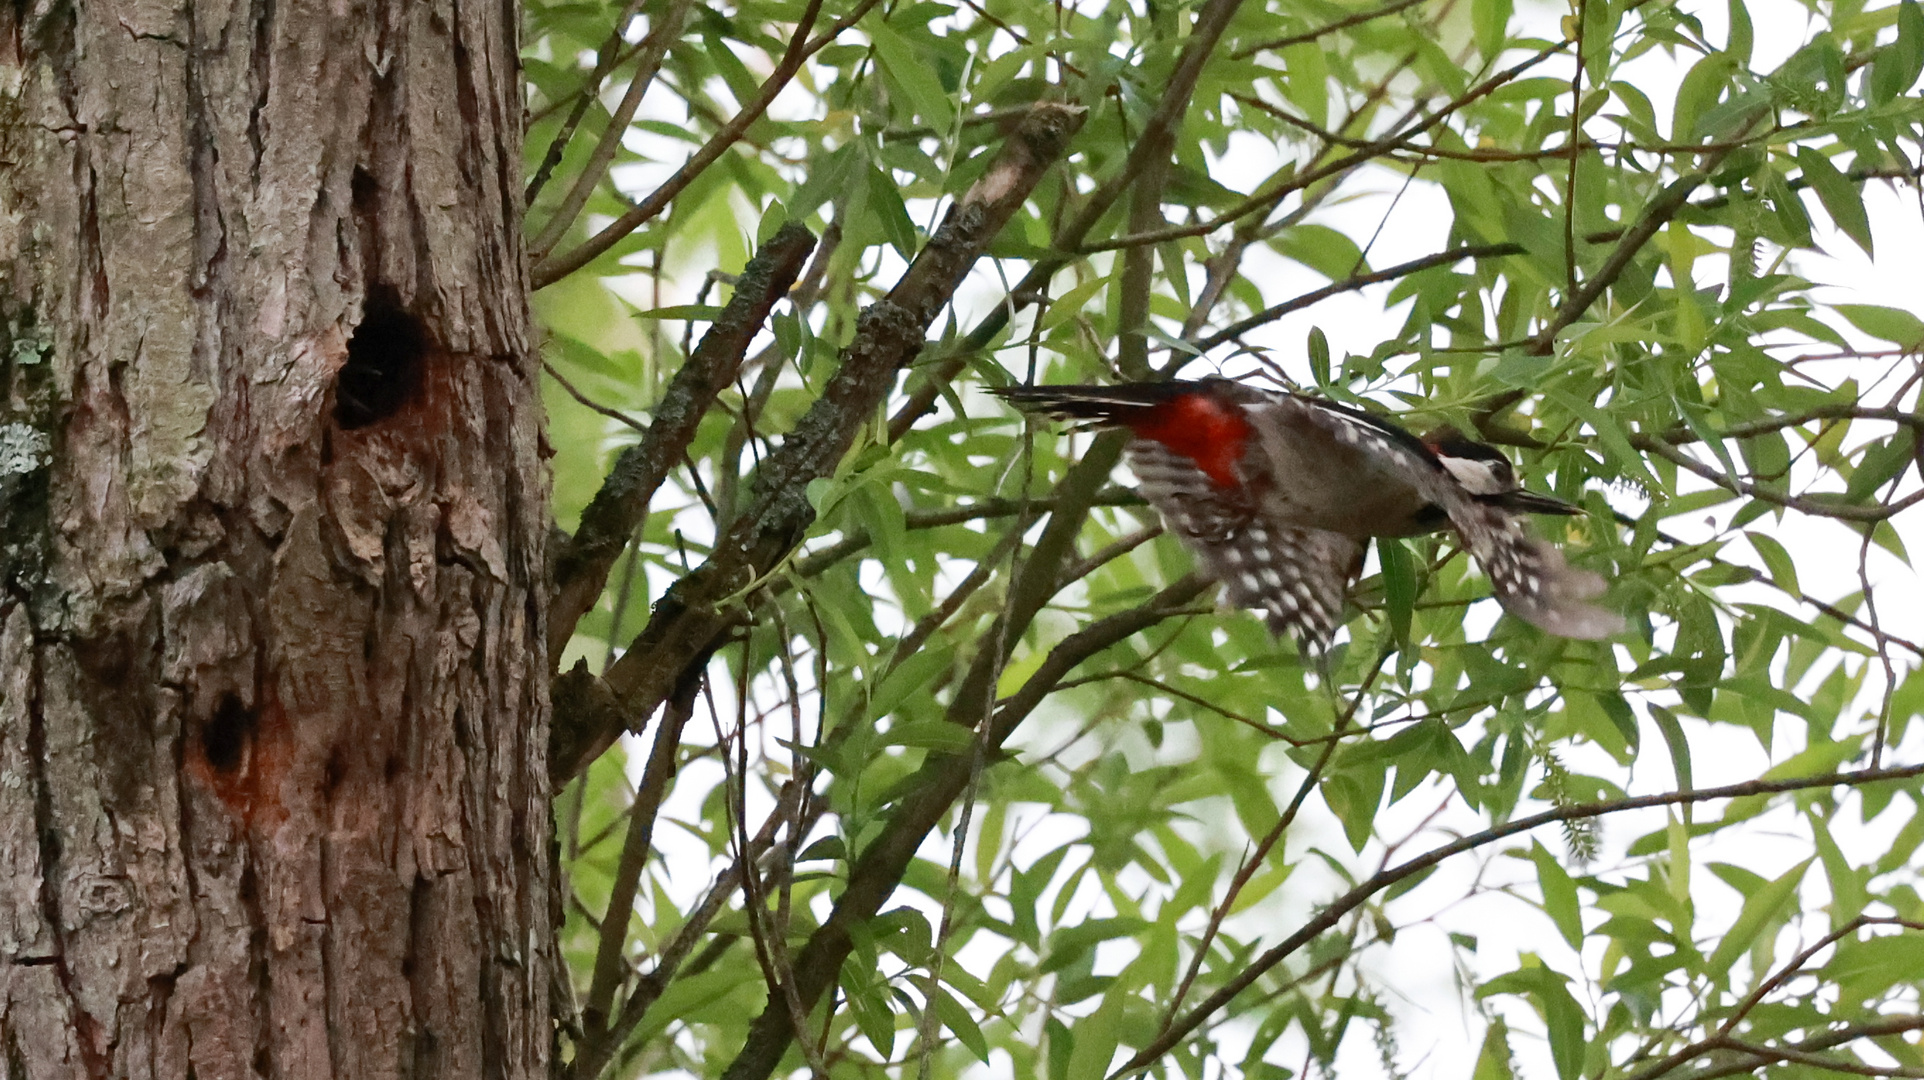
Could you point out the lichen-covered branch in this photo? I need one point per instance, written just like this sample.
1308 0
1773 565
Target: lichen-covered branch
889 334
581 569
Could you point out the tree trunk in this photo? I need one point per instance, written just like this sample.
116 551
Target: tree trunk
273 711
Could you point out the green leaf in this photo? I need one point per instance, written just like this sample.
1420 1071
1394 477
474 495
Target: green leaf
885 202
1307 80
1895 325
912 674
1760 910
1070 304
1788 211
1898 64
1840 196
1319 370
868 997
1491 19
1677 866
1559 895
1070 943
1062 1043
1882 462
1870 967
1623 718
1740 34
1354 799
958 1021
1698 94
1097 1037
1679 746
930 733
1493 1061
906 70
1322 249
1848 894
691 996
1782 569
1399 586
1562 1016
684 312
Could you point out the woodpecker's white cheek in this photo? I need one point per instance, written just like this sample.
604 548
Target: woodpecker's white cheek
1477 477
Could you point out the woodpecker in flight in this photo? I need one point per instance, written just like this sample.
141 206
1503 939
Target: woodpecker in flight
1278 495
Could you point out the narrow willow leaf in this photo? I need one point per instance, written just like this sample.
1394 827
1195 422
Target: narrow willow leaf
1839 194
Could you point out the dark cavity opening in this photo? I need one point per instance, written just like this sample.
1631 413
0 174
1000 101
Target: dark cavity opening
362 189
383 369
336 769
224 739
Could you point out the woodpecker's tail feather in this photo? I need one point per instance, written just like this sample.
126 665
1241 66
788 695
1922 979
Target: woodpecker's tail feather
1103 406
1534 583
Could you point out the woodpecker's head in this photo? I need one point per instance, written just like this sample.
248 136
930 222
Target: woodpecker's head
1485 473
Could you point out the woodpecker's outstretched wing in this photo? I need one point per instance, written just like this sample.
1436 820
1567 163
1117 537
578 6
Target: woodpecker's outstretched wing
1528 576
1298 578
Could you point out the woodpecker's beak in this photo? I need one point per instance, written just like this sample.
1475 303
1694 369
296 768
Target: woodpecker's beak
1521 501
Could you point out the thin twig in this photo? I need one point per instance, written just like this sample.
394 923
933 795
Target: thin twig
889 335
770 950
1363 892
1351 284
1575 138
574 392
654 49
606 58
552 267
1388 142
582 567
1802 504
1328 28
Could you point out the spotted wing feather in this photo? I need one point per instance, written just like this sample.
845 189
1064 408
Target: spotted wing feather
1528 576
1531 578
1193 506
1298 578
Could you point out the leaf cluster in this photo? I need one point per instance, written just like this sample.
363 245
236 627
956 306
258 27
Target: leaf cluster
939 758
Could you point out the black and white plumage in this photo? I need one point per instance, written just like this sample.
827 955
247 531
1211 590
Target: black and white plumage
1278 494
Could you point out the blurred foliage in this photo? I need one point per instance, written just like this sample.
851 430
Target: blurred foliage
1631 322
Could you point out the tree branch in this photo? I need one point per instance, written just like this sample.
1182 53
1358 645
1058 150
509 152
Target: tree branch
1655 215
1211 21
1349 901
932 790
1803 504
581 569
888 335
1381 146
1327 28
1351 284
606 58
611 959
653 48
1755 1057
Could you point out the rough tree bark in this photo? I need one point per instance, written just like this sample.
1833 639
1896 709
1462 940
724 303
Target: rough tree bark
273 707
